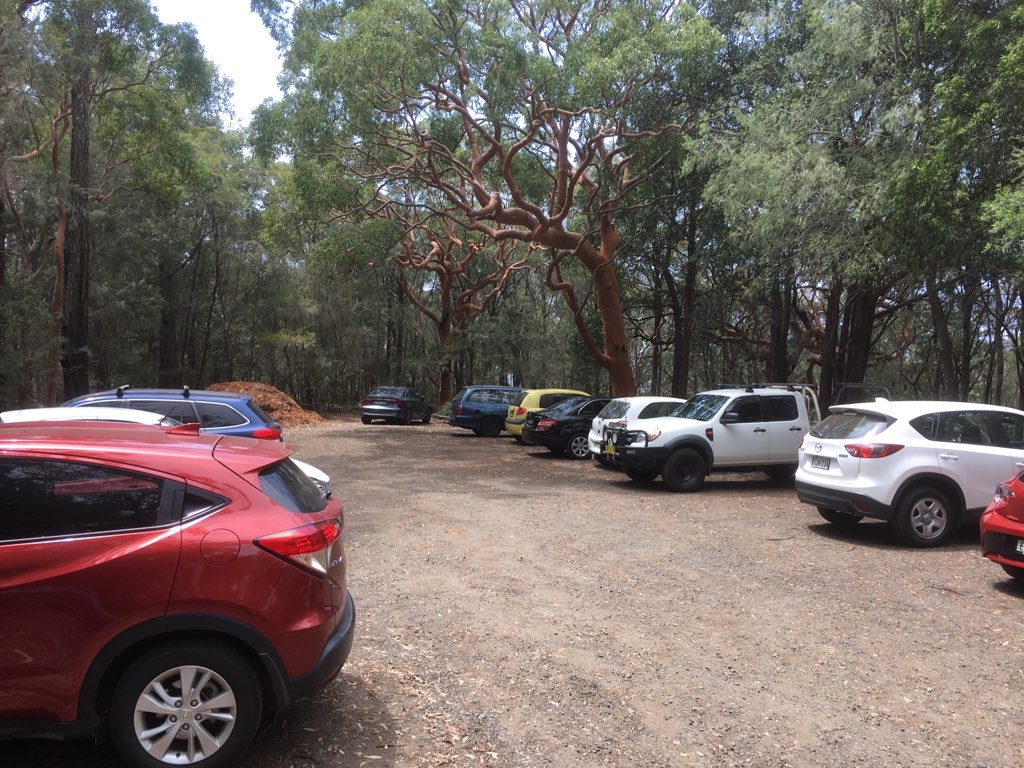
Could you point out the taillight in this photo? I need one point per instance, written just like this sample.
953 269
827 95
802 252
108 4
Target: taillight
458 410
872 450
520 411
267 433
545 423
308 546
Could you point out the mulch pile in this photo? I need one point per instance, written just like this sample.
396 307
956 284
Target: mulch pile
276 403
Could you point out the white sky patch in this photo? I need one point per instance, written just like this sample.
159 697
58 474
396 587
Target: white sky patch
236 41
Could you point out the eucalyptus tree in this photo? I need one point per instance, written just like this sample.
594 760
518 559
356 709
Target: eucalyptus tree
809 173
528 119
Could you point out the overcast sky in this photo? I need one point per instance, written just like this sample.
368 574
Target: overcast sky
236 41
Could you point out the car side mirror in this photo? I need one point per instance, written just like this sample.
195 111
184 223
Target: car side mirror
729 418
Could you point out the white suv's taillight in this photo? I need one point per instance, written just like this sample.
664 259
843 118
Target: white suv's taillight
872 450
308 545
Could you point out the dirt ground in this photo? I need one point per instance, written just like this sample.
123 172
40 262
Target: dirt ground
517 608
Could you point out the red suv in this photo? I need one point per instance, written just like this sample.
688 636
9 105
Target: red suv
168 590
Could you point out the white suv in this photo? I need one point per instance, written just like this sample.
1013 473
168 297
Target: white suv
628 409
925 466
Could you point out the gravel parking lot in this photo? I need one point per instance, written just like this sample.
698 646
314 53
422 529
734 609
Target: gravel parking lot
517 608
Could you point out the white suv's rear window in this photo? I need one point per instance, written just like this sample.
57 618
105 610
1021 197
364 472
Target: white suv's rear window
852 424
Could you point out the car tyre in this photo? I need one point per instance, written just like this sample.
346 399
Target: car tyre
490 427
366 419
1016 571
641 475
577 446
152 725
925 517
684 471
781 473
842 519
426 416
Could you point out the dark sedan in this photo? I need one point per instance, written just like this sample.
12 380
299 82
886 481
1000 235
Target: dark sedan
563 428
395 405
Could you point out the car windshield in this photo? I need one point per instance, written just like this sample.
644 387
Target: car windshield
848 425
615 409
700 407
292 488
388 392
565 405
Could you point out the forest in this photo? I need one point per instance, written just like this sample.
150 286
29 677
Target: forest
622 196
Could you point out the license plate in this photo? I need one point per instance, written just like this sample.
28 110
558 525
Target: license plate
820 462
1020 546
609 448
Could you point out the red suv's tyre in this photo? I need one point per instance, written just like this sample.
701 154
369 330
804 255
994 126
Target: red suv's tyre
192 703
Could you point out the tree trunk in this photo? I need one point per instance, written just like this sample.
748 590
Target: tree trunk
948 384
76 288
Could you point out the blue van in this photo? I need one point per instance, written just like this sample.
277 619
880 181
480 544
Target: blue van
482 408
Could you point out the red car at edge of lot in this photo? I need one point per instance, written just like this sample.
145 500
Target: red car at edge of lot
167 590
1002 527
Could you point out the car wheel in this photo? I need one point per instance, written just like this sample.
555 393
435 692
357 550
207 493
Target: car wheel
843 519
578 447
426 416
366 419
781 473
490 427
1013 570
641 475
191 703
924 517
406 418
684 471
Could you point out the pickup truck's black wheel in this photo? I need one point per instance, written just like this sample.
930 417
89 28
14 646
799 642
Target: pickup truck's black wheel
577 446
843 519
641 475
490 427
925 517
684 471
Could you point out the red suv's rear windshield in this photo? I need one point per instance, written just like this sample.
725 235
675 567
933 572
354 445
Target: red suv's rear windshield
292 488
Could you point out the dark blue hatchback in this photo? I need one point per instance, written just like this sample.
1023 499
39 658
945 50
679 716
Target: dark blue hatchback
222 413
482 408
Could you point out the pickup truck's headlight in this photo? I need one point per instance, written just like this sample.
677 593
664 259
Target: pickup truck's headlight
642 437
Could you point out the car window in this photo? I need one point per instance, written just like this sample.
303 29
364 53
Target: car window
292 488
780 408
747 409
591 408
396 392
517 398
700 407
550 398
965 427
615 409
1012 426
850 424
657 410
181 410
214 415
45 498
259 412
564 405
927 425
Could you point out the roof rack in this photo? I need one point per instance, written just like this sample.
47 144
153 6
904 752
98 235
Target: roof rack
122 389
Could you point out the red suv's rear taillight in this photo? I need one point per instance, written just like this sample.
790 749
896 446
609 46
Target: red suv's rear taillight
267 433
308 546
872 450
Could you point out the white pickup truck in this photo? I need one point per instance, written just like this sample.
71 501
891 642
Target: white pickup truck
753 428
